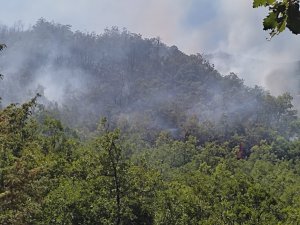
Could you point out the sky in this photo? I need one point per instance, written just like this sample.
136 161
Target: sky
194 26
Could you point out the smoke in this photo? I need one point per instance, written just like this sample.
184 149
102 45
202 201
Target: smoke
132 81
58 82
210 27
245 50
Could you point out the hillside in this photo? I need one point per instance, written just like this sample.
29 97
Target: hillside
130 80
130 131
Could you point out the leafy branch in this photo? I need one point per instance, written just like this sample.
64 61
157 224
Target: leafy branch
282 14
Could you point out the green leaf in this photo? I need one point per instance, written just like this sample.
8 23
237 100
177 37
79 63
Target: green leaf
270 22
293 20
282 27
271 2
259 3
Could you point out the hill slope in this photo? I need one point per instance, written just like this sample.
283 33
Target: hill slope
131 80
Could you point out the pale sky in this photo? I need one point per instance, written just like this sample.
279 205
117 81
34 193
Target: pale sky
195 26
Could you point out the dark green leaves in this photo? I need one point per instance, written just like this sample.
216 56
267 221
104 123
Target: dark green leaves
275 23
293 21
258 3
270 21
282 14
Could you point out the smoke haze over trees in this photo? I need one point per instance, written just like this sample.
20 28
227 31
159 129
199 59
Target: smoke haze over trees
114 129
123 77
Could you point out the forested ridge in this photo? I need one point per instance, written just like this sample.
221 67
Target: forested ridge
120 129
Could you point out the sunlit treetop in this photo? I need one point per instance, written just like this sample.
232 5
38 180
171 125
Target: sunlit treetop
282 14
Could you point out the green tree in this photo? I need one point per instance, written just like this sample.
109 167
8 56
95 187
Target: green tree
21 163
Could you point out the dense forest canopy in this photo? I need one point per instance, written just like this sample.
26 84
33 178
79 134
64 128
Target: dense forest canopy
126 130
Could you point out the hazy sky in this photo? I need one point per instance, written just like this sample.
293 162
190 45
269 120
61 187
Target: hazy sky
203 26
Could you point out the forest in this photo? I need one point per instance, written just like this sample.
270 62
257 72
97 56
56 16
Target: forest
118 129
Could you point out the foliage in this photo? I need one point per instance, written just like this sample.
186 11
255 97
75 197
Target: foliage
240 166
282 14
49 176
